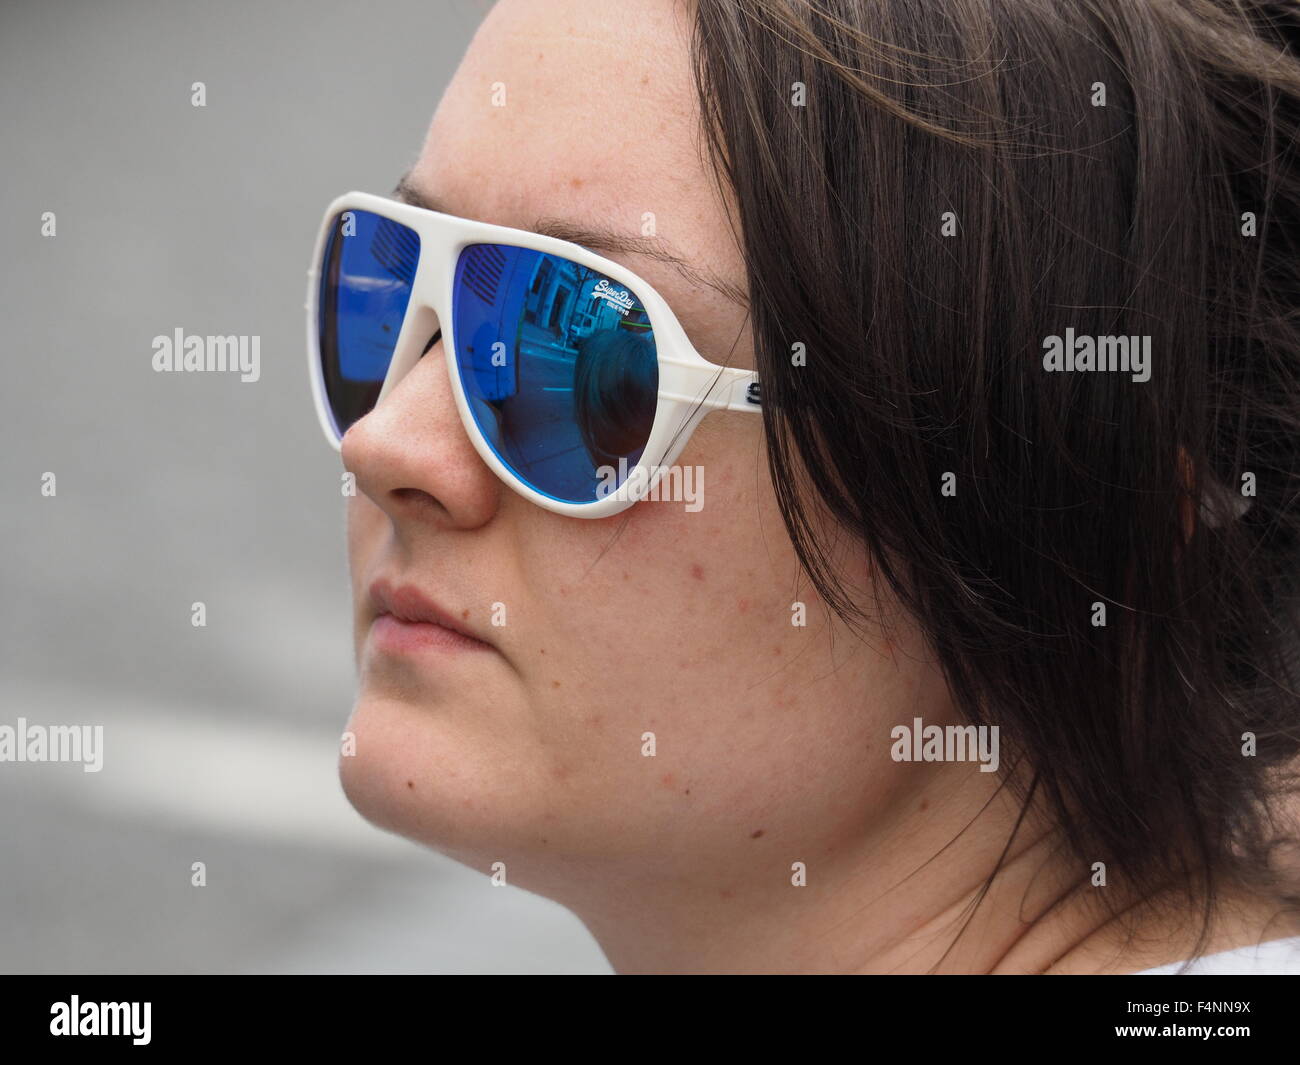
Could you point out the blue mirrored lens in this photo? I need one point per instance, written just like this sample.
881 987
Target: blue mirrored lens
559 365
366 274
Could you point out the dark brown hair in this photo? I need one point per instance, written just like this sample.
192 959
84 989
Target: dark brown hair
1118 167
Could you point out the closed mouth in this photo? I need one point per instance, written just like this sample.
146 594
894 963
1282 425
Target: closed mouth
410 609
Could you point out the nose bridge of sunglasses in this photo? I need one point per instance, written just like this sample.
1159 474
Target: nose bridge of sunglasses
418 330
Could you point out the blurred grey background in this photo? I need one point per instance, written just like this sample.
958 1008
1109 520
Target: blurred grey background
220 742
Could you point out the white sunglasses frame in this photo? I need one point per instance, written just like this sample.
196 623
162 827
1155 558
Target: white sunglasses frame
690 386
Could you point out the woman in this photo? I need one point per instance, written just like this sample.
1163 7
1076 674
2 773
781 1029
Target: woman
980 653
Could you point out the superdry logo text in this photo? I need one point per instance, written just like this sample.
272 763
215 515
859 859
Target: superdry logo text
102 1018
619 299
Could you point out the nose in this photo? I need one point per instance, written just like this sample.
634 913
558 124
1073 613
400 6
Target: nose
412 458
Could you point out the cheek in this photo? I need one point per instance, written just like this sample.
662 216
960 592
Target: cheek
676 623
681 635
672 591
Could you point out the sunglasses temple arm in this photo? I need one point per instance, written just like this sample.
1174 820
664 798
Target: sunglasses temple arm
731 389
742 391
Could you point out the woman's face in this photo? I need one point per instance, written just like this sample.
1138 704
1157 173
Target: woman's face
770 740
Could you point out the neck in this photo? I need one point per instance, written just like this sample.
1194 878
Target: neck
914 897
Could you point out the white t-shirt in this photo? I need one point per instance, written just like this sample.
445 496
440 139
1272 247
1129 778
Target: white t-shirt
1277 957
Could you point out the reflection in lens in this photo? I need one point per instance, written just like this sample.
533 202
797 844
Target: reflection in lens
615 388
366 275
559 367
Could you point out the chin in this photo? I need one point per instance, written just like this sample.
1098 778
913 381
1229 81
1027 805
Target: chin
412 776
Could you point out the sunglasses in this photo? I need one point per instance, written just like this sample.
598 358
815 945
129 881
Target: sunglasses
575 382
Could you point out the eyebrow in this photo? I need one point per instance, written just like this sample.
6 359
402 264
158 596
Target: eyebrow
597 239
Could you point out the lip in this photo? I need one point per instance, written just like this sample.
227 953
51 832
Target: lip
408 620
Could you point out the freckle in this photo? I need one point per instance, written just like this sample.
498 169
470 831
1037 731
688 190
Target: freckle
543 840
626 577
688 791
667 780
576 182
645 79
555 684
697 571
464 615
776 651
727 893
756 833
410 783
743 606
564 591
543 650
925 804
